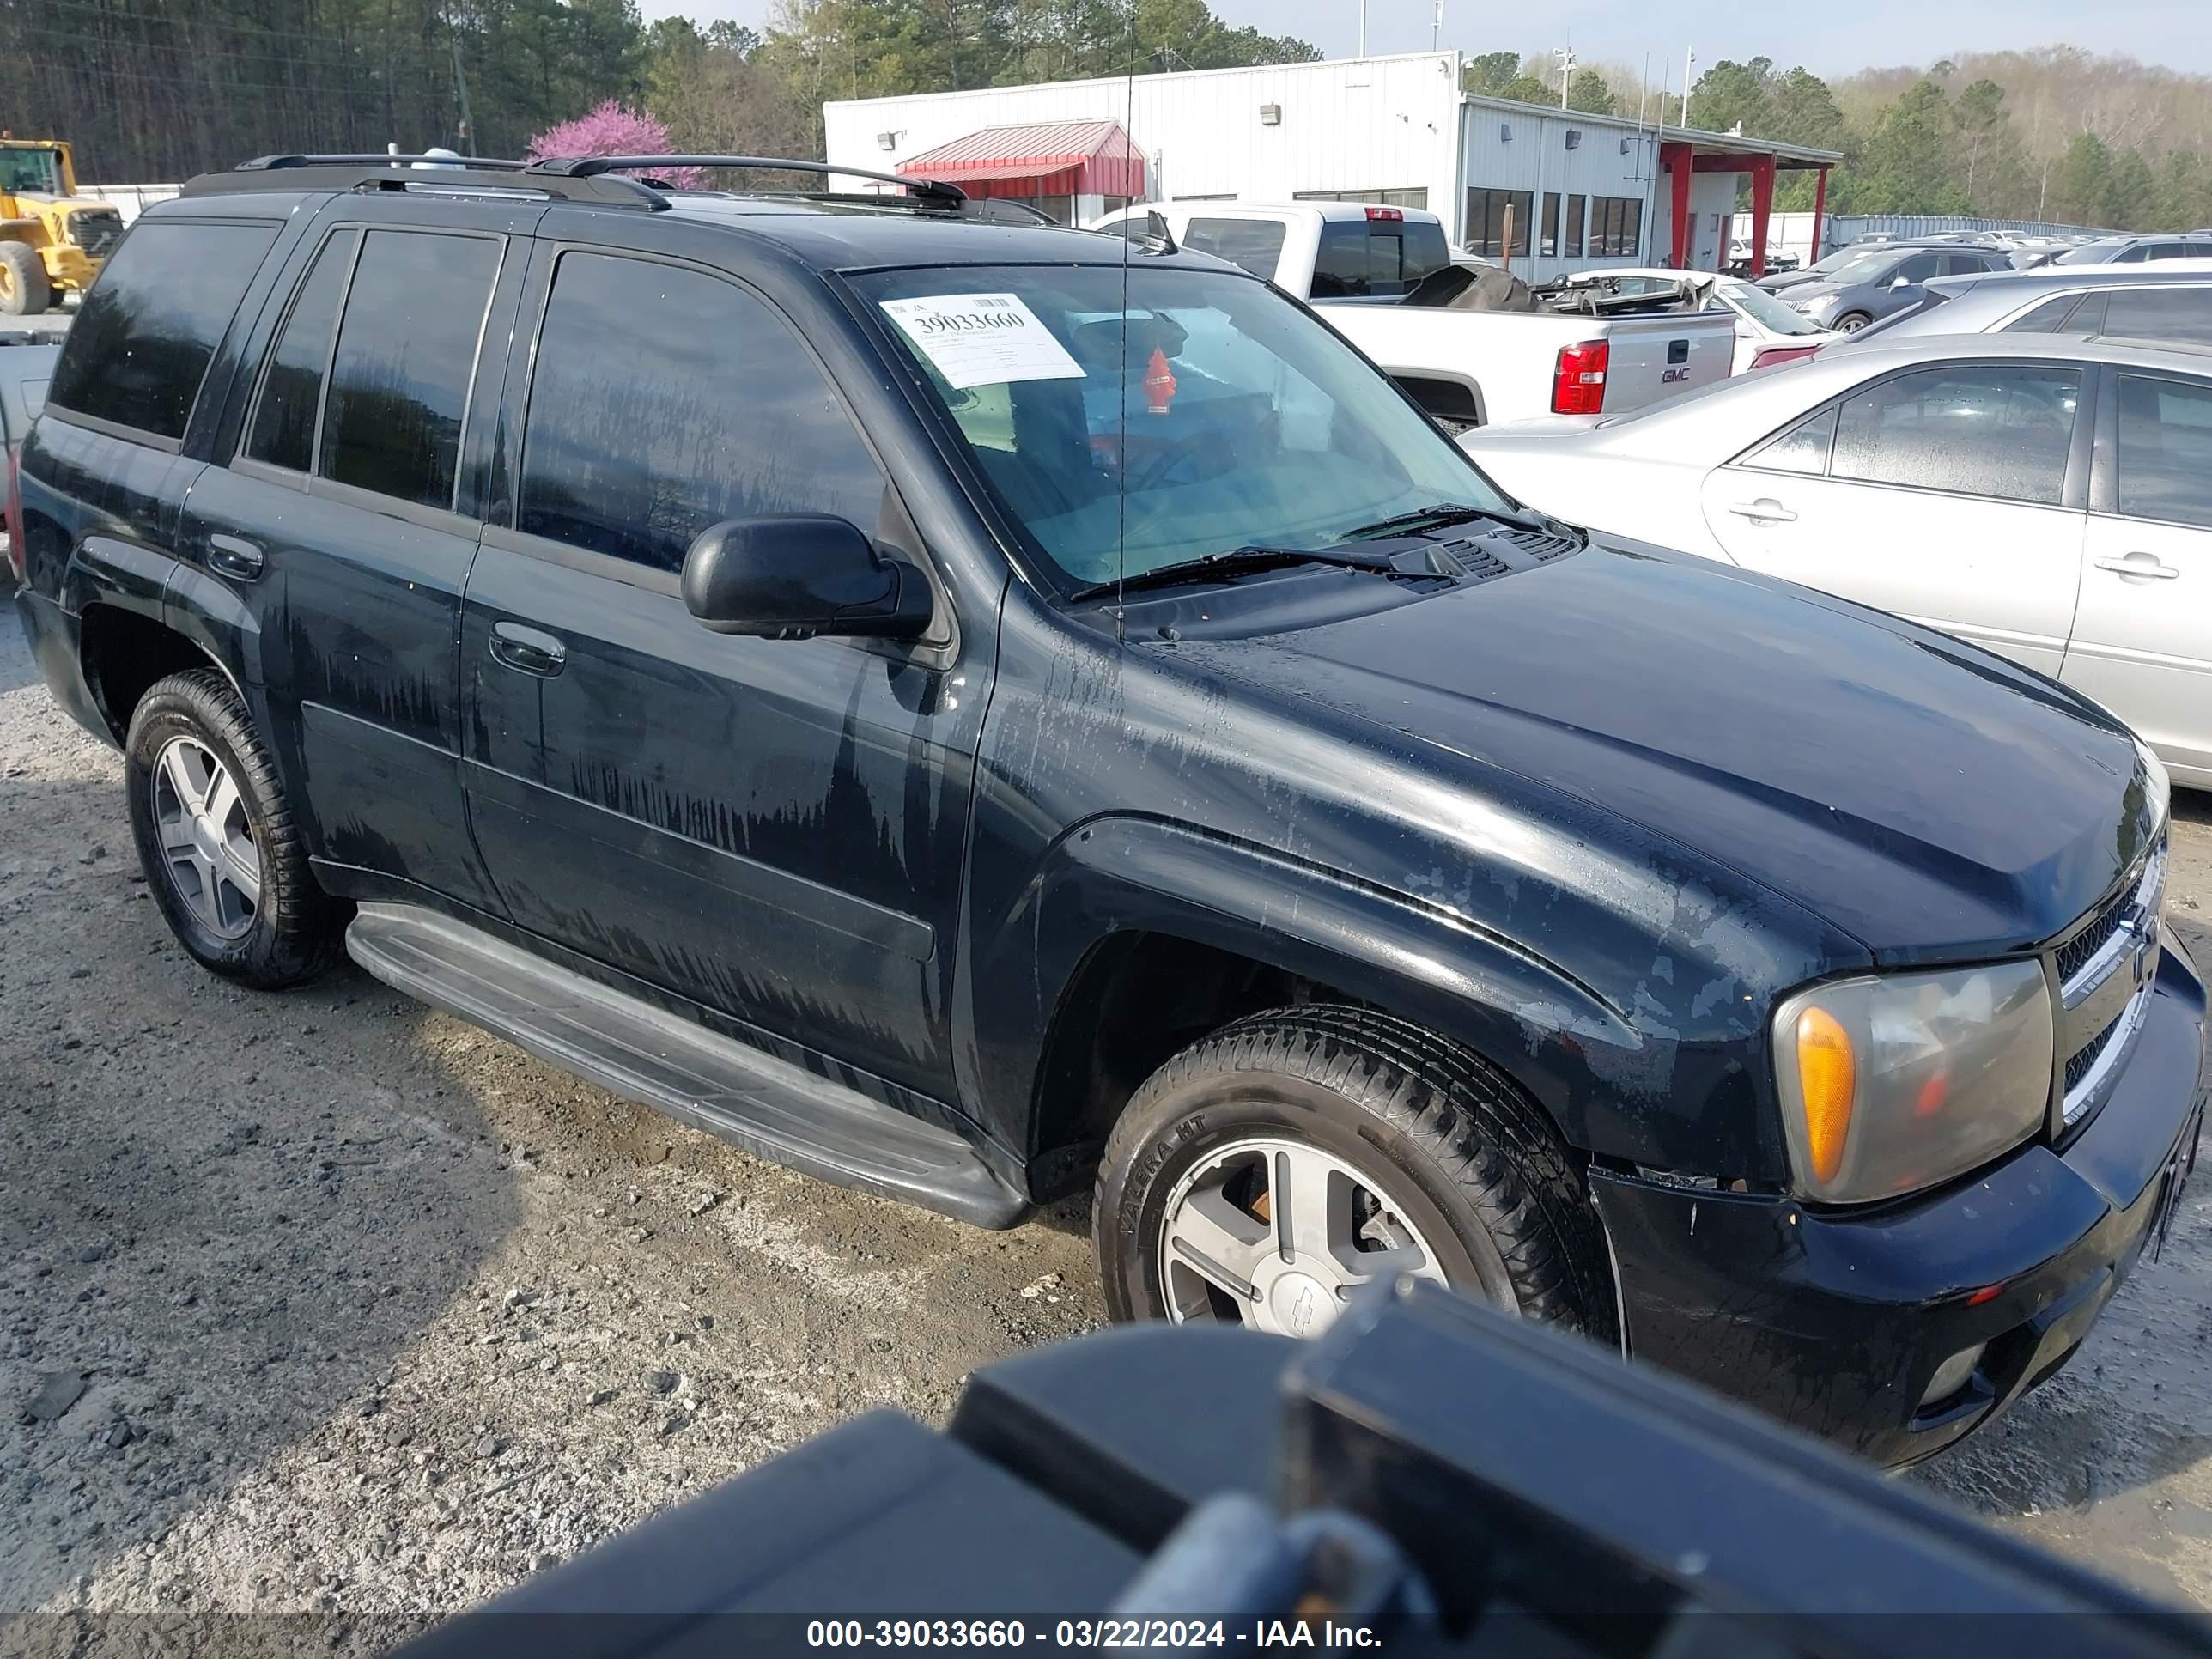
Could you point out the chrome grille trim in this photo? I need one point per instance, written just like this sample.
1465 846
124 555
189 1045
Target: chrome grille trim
2138 924
2109 1058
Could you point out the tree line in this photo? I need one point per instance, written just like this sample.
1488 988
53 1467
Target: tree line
2058 134
151 90
160 89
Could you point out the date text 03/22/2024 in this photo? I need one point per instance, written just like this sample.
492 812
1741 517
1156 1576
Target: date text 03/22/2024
1108 1632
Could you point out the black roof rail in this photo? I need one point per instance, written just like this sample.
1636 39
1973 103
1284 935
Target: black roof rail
426 172
586 167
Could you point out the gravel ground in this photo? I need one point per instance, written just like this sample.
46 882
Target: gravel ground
377 1315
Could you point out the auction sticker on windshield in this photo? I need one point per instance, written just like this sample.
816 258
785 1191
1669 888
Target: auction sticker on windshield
983 339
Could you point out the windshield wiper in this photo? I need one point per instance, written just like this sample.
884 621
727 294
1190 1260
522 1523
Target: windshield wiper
1442 513
1212 566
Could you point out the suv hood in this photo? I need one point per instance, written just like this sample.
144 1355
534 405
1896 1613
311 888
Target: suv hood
1932 800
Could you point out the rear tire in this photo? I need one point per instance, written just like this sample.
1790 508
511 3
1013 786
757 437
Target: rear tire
222 855
1422 1156
23 285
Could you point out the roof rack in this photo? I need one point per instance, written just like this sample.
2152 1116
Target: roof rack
425 172
586 166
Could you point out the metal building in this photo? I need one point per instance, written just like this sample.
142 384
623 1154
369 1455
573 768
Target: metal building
1545 190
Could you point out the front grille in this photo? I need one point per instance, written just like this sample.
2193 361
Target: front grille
2117 933
2074 956
97 233
2084 1057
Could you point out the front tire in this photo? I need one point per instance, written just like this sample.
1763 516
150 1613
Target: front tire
23 285
1853 323
222 855
1265 1173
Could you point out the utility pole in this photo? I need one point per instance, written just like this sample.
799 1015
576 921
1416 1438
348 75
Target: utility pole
1566 57
1437 28
1363 27
468 132
1689 62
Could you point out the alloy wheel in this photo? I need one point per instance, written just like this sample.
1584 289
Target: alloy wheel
1276 1234
207 838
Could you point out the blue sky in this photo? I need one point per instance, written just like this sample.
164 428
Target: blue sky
1830 39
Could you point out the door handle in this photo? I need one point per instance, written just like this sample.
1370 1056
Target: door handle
1764 510
527 650
2140 564
235 557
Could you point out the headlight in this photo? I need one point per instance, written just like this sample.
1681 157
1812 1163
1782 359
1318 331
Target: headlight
1820 305
1894 1082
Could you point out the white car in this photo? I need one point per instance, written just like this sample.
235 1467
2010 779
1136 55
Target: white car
2049 499
1768 330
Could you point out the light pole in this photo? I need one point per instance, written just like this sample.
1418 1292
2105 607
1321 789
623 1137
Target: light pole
1566 57
1363 27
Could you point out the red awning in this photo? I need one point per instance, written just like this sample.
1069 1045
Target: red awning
1044 158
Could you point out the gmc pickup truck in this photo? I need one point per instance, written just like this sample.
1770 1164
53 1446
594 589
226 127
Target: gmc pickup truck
1373 273
971 710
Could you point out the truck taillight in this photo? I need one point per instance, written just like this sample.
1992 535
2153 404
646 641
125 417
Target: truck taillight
1578 382
15 498
1384 213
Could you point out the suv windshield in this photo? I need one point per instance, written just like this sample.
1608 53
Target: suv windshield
1212 414
1867 267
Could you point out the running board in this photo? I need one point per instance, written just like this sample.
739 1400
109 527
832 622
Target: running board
768 1106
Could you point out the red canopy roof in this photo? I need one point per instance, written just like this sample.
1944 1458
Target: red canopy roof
1043 158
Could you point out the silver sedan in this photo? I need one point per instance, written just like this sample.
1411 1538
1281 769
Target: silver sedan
2049 499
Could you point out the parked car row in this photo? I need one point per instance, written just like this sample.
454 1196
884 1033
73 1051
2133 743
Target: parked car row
973 710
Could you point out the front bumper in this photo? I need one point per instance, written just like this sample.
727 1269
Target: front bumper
71 267
1836 1321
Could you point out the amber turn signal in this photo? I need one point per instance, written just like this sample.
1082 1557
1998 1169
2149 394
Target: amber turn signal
1827 1075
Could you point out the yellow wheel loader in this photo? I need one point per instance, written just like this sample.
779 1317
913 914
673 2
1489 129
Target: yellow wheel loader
50 243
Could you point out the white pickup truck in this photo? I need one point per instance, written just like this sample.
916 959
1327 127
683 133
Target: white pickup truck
1468 367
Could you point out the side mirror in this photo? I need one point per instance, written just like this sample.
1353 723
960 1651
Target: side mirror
797 576
1902 282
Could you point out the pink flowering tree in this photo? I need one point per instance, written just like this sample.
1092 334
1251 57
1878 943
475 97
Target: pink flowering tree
613 129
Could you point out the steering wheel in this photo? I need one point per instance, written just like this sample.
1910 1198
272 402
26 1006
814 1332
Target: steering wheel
1191 446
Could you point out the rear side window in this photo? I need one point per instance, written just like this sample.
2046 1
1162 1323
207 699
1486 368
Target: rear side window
665 400
2165 450
1254 244
283 431
406 353
2046 318
2179 312
1977 430
141 346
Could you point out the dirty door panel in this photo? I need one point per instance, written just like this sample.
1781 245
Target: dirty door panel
770 827
342 502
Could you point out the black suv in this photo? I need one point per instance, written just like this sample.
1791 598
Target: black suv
957 706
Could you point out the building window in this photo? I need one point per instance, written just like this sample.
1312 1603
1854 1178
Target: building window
1396 199
1549 245
1573 247
1497 222
1616 226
